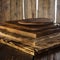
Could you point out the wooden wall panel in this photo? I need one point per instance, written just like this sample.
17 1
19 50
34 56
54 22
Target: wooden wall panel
44 6
40 10
58 11
28 9
13 10
52 9
16 10
33 8
6 10
0 10
19 8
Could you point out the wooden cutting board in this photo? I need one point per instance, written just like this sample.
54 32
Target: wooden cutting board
39 21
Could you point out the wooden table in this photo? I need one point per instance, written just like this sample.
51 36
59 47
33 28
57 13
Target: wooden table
46 48
15 44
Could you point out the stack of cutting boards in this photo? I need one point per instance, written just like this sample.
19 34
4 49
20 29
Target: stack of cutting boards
29 28
25 32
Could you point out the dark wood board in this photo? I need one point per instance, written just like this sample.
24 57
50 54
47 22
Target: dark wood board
47 44
29 28
32 34
34 21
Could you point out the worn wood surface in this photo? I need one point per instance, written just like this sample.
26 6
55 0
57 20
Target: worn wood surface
29 28
58 11
52 9
33 3
34 47
13 9
50 55
0 10
28 9
45 48
19 9
44 8
40 11
29 31
33 32
13 54
50 42
5 10
16 10
16 37
26 49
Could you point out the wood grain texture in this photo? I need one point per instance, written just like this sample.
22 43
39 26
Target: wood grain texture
25 49
58 11
13 54
0 10
33 8
22 40
36 47
27 28
19 9
40 11
52 10
28 9
13 10
6 9
40 46
31 33
49 42
46 8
